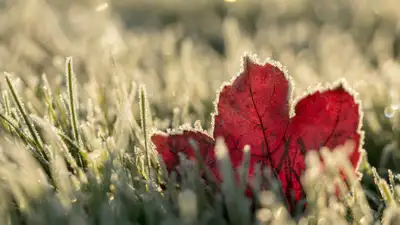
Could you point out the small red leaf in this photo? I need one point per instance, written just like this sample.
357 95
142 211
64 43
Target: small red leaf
169 145
255 109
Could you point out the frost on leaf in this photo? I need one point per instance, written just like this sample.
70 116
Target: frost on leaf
256 109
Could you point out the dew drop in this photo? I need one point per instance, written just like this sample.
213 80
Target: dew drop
389 112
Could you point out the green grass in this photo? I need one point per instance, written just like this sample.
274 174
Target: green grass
74 139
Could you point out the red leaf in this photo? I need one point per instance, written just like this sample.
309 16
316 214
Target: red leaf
256 109
169 145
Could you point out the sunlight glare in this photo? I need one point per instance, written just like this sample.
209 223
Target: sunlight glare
102 7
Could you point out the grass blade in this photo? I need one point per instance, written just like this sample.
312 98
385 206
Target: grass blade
144 125
72 110
31 129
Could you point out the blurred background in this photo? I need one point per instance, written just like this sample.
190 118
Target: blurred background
183 51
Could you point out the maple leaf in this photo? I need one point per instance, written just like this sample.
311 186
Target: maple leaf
256 109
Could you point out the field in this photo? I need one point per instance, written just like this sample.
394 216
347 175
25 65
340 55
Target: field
88 82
